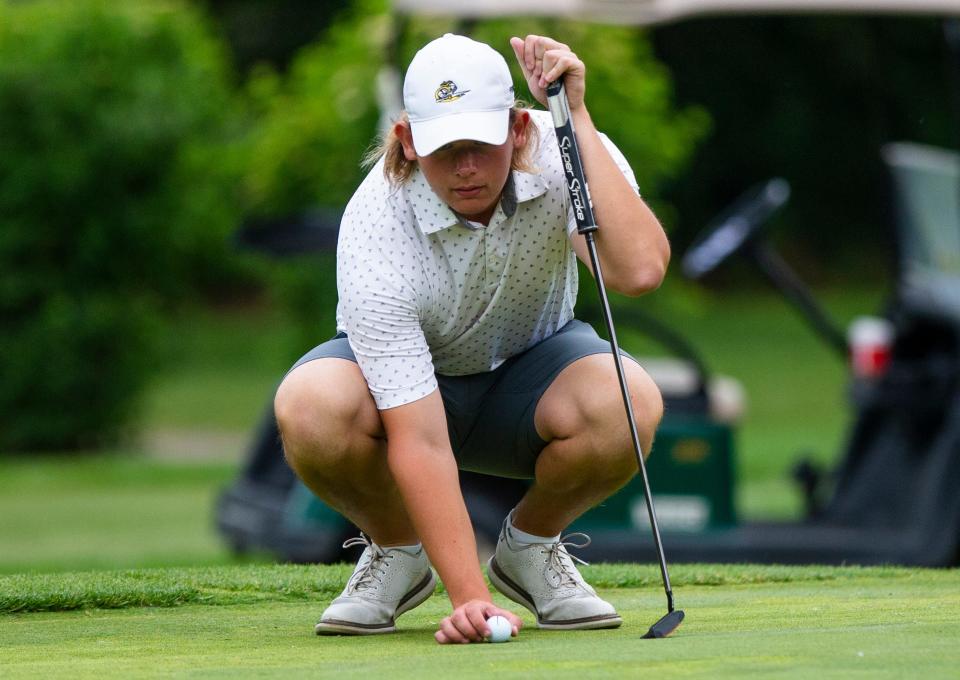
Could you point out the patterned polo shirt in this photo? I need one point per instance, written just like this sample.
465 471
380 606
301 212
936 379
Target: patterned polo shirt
422 291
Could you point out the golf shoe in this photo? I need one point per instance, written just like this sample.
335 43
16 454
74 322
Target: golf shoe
385 583
543 578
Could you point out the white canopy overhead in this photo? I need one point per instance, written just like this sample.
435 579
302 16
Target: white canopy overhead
663 11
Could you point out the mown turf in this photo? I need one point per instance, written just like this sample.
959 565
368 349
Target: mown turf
762 622
266 583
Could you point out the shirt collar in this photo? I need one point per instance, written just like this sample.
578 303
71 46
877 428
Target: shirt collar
434 215
528 186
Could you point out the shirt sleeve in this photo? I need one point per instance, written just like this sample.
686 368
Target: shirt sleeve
625 168
379 309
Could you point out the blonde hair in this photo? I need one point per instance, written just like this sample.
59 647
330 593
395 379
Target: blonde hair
397 169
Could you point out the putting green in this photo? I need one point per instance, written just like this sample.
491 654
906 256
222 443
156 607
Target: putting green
791 622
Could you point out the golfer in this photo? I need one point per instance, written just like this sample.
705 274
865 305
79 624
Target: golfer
457 347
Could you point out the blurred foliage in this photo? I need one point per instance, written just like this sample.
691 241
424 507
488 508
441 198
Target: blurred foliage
315 122
271 31
306 287
116 193
811 99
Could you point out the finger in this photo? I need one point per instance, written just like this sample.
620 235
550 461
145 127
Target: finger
558 63
450 632
515 621
519 46
478 619
530 51
554 71
544 44
465 626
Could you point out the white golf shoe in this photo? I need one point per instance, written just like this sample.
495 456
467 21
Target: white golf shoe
385 583
543 578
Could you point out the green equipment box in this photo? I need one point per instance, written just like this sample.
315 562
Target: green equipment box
691 471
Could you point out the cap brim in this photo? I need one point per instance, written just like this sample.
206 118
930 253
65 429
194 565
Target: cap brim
490 127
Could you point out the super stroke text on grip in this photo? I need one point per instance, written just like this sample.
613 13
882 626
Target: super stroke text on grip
575 189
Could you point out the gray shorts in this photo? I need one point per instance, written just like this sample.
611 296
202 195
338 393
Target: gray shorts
490 416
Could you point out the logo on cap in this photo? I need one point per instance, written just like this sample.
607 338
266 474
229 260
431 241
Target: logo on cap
447 92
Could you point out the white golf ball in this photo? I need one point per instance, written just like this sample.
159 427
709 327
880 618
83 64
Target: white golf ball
500 629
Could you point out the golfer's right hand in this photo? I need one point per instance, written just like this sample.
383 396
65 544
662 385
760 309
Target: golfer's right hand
468 623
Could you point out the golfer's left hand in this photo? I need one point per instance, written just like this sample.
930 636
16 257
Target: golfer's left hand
543 60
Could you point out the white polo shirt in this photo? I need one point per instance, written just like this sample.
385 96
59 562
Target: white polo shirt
422 292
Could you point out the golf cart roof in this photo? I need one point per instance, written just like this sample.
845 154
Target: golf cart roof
642 12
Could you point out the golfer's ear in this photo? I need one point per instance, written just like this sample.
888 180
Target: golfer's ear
519 127
402 130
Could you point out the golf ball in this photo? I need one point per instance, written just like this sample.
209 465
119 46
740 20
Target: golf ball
500 629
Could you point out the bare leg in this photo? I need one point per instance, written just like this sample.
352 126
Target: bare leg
334 440
590 454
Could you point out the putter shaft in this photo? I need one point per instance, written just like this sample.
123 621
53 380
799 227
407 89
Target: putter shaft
628 404
586 225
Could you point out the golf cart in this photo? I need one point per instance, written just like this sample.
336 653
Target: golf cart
893 497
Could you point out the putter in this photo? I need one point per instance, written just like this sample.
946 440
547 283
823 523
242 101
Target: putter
587 225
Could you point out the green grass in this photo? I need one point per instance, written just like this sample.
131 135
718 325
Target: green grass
783 622
108 511
219 585
223 365
795 385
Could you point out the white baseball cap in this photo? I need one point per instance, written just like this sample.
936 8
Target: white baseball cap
457 88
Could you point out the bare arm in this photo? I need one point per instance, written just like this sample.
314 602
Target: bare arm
632 245
422 463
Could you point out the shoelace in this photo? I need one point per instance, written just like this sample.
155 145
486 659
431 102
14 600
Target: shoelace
561 561
373 570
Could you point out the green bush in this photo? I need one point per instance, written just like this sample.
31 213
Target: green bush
315 122
115 197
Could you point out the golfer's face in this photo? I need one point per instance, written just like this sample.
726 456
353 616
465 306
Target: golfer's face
469 176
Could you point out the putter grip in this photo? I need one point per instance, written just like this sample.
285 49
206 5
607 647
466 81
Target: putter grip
570 156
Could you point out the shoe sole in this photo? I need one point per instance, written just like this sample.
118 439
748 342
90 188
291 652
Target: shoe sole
507 587
415 597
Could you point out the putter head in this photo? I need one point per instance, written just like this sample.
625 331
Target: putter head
666 625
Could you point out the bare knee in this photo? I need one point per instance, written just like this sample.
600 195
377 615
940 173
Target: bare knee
647 406
647 403
587 419
325 413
